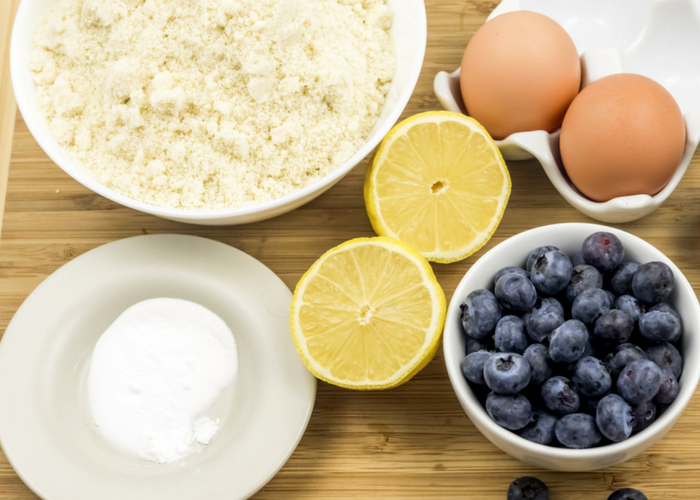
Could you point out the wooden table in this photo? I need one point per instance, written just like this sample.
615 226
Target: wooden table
413 442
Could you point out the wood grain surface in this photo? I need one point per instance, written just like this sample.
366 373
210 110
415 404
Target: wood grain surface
413 442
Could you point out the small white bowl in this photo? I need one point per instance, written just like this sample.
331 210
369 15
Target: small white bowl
409 33
569 238
654 38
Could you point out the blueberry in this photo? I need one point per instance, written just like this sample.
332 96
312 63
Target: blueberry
668 390
568 342
659 326
537 355
559 395
623 355
516 292
507 373
541 429
537 253
512 412
473 366
543 318
614 327
528 488
664 307
474 345
591 377
666 357
582 277
614 418
644 415
577 259
480 313
631 306
627 494
577 431
551 273
510 335
639 381
510 269
652 283
603 250
590 305
621 281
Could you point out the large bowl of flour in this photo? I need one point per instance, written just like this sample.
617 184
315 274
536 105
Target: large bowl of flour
216 112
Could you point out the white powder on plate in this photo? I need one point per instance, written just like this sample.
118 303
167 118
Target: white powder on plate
153 375
212 104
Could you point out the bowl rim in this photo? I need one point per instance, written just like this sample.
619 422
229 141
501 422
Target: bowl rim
478 414
80 174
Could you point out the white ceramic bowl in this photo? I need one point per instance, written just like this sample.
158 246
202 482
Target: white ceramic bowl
655 38
569 238
409 33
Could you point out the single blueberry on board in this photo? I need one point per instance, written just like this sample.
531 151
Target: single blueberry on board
583 276
614 418
668 390
507 373
590 305
644 415
639 381
659 327
623 355
568 342
546 315
621 281
512 412
577 431
666 357
528 488
652 283
603 250
627 494
631 306
515 292
510 335
510 269
614 327
541 429
537 253
480 314
537 355
473 366
551 273
559 395
591 377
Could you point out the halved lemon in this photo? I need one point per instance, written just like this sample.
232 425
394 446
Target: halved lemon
439 183
368 314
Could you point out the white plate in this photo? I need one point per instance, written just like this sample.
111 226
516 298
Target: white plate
45 426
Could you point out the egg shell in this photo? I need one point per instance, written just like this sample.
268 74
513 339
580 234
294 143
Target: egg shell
520 72
623 135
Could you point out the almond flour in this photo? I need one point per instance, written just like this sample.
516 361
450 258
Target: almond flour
215 103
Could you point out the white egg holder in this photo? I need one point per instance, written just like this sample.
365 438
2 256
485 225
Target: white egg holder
659 39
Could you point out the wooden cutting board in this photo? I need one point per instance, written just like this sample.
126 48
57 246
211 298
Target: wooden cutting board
413 442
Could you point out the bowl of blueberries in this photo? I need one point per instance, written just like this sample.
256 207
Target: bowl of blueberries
573 347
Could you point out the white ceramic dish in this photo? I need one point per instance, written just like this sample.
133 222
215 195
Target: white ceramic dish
655 38
45 426
569 238
409 33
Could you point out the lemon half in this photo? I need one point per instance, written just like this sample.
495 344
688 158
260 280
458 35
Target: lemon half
439 183
368 314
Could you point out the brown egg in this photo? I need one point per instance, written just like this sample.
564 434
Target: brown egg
520 72
623 135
